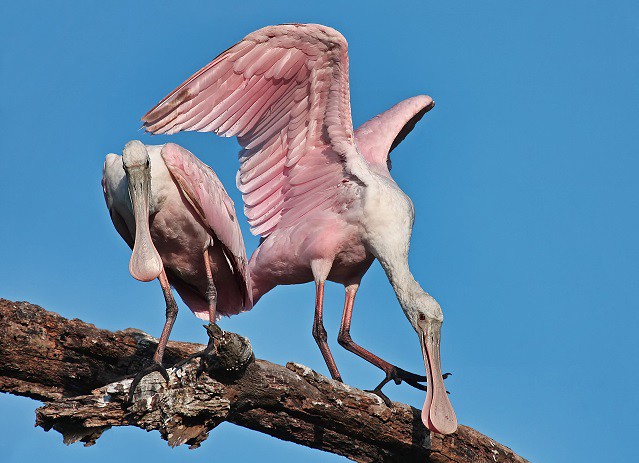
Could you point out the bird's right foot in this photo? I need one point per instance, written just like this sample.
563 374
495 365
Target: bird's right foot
398 375
153 366
208 351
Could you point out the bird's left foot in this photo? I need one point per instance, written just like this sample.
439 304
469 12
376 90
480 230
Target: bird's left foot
153 366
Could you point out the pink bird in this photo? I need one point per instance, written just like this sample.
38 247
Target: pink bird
320 195
174 213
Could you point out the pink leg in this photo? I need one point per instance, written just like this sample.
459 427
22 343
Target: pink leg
344 337
171 315
211 297
211 290
345 340
319 333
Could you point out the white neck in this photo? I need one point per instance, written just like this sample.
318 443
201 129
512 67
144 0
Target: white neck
388 218
409 293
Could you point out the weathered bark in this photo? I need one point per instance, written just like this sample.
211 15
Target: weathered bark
78 369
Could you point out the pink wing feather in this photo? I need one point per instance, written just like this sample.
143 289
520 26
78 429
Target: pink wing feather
283 91
208 197
377 137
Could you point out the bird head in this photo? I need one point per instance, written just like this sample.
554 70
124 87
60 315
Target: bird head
426 317
135 156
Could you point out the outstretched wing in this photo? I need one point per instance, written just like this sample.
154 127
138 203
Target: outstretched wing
208 197
283 91
378 136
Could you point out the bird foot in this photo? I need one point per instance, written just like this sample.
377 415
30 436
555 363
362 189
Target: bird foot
378 392
398 375
208 351
153 366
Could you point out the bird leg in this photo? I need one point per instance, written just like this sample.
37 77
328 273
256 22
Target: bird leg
392 372
211 298
171 315
319 333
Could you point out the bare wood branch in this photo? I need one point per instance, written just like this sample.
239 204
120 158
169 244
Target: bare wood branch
78 369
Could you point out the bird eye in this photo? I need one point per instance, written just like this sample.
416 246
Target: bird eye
422 317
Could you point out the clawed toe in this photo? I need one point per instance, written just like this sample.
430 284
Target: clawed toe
378 392
398 375
409 378
154 366
209 350
403 375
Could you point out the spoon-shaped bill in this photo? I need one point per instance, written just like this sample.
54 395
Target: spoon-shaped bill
145 263
438 414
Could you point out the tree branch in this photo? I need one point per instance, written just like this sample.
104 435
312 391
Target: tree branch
78 370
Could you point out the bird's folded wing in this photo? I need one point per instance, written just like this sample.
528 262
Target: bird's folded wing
283 91
210 200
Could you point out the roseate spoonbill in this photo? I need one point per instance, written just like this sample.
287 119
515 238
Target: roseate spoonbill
320 195
174 213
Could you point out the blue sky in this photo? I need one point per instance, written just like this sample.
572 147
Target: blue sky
523 179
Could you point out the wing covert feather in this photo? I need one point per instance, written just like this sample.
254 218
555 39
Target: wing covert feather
283 91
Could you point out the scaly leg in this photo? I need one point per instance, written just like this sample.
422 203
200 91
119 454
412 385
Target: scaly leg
392 372
319 333
171 315
211 297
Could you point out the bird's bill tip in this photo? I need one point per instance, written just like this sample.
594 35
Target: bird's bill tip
145 265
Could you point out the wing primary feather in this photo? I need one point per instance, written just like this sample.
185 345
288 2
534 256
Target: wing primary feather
206 97
238 96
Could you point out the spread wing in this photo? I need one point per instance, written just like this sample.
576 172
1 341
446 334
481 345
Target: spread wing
208 197
283 91
377 137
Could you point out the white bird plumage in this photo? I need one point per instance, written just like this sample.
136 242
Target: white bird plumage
186 232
